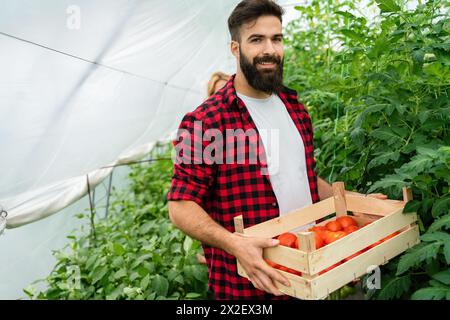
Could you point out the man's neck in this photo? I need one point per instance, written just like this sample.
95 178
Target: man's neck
241 85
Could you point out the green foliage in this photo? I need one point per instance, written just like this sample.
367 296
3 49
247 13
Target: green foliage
378 94
136 254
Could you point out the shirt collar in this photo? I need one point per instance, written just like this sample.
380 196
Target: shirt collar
230 94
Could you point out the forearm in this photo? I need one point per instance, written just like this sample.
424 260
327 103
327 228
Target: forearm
325 189
190 218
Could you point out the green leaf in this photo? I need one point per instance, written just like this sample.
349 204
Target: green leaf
388 5
353 35
447 251
417 165
431 293
386 134
160 285
384 158
118 249
145 282
99 273
438 224
441 207
393 180
416 255
412 206
435 236
443 276
193 295
187 244
120 274
395 288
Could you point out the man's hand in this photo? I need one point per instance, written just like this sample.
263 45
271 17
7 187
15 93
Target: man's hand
249 252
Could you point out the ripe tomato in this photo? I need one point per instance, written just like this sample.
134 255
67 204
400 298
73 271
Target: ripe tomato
320 230
319 241
287 239
351 229
346 221
329 268
333 226
333 236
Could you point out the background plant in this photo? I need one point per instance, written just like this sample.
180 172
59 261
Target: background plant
378 96
136 252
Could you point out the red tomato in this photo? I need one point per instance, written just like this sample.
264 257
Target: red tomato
346 221
333 226
351 229
320 230
287 239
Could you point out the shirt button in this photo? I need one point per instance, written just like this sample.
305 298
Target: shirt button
274 204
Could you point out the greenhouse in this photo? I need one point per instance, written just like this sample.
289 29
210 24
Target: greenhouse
98 203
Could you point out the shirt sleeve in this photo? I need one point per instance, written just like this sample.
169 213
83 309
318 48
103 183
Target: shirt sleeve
192 176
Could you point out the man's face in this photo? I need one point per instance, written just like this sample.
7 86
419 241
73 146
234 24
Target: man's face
261 53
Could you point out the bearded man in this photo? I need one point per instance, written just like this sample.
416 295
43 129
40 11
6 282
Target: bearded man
207 192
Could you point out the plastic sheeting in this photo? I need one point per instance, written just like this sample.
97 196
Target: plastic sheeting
87 84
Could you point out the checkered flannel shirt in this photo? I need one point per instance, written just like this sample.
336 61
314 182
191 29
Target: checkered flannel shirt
231 189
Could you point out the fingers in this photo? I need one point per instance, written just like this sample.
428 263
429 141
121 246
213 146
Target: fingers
263 281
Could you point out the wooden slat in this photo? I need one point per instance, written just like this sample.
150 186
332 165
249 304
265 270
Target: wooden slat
288 257
339 199
299 288
372 206
407 194
357 267
292 220
358 240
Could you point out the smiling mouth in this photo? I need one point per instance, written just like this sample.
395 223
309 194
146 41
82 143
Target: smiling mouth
267 65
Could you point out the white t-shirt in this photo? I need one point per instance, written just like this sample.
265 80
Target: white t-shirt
285 151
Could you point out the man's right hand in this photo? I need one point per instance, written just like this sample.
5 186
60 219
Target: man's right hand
249 252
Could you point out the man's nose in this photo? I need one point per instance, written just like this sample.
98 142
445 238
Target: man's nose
269 47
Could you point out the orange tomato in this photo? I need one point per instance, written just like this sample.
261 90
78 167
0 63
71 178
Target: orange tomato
319 241
351 229
287 239
333 236
333 226
346 221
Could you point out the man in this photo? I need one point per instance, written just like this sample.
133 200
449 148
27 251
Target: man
206 195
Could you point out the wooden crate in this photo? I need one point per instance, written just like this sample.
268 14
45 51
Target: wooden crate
387 218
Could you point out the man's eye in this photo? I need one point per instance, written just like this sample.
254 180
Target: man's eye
256 40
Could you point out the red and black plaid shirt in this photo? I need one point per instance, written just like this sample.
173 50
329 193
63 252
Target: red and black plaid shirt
231 189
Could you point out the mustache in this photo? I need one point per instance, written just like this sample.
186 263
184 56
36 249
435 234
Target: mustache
267 59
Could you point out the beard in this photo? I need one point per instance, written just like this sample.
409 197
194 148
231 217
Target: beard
268 81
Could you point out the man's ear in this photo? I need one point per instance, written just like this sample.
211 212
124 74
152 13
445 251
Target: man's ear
234 46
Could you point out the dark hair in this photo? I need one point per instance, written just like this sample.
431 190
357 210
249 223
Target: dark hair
250 10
